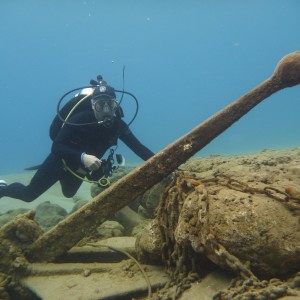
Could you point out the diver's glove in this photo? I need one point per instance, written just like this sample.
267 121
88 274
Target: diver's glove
90 162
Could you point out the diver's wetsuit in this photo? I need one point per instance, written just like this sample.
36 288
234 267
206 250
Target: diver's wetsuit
69 144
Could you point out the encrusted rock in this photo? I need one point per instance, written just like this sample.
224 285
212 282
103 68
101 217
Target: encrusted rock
148 244
110 229
254 228
247 204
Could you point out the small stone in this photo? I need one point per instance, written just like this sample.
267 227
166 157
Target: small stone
86 273
71 285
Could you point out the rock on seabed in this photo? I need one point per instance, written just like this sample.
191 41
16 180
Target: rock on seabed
238 213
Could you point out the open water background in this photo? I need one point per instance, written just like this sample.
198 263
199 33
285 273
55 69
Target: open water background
185 60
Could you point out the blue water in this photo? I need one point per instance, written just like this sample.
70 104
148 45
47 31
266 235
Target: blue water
185 60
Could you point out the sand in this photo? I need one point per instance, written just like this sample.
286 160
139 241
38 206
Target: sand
53 195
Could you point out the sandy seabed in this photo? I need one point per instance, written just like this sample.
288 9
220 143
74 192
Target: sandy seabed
53 195
215 282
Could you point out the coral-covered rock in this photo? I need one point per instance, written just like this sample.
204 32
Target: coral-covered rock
254 228
148 244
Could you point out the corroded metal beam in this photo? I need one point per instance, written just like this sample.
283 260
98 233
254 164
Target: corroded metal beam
71 230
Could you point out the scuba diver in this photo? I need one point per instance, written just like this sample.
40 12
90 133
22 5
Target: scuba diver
83 130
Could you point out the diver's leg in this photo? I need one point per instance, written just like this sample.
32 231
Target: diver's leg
70 184
47 174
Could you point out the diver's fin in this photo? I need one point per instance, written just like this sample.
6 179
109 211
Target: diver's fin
32 168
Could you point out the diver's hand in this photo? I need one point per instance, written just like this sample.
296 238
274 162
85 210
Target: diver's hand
91 162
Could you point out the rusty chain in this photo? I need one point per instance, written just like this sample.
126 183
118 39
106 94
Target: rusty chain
179 260
247 285
269 191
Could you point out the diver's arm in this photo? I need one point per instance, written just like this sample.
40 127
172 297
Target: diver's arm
134 144
65 145
75 157
63 150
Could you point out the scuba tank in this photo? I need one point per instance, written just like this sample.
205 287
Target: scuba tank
57 123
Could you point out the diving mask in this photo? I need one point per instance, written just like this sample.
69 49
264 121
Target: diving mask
104 109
